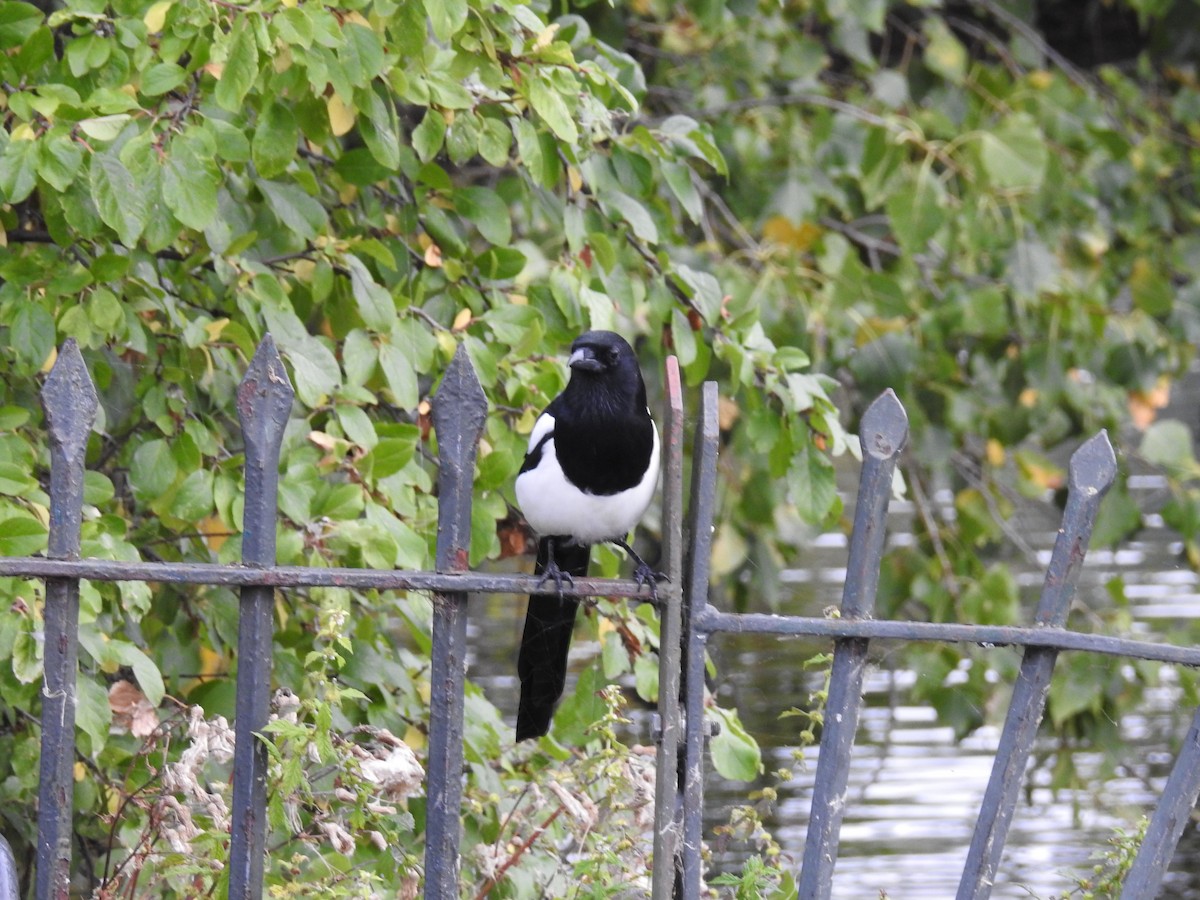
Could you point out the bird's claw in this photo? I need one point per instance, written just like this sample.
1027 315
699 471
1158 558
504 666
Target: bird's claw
553 573
645 576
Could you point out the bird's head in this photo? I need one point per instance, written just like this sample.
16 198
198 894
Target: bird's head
597 352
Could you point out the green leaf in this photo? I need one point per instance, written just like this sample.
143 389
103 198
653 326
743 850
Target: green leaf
1014 154
356 425
316 370
812 485
189 187
152 470
301 213
241 67
18 170
428 136
274 144
944 53
18 22
679 179
32 334
93 715
500 263
550 105
162 79
1168 443
634 213
193 499
916 214
487 211
375 304
446 17
59 162
400 376
495 139
21 535
380 127
735 754
121 204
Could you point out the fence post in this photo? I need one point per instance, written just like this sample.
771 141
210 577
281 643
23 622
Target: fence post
882 432
1092 470
459 413
1166 825
701 510
264 401
70 403
667 825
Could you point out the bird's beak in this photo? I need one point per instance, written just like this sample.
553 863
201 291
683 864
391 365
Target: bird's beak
584 359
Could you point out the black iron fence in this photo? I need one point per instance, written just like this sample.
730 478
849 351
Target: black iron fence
688 622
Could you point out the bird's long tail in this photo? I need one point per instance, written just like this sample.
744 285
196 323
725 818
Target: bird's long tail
549 622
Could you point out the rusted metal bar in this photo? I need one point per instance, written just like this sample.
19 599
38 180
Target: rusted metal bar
459 413
713 622
701 511
9 886
303 576
1172 814
70 403
667 824
882 432
1090 474
264 401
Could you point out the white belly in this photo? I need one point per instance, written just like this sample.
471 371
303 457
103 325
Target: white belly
554 506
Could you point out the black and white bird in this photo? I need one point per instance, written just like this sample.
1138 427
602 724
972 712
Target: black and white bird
588 476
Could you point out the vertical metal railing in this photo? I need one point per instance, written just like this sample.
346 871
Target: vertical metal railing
70 404
264 401
459 411
1093 468
670 595
883 433
701 514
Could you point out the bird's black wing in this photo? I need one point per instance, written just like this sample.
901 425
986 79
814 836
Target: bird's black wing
546 642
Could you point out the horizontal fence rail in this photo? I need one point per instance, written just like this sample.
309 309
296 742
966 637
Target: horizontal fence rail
689 622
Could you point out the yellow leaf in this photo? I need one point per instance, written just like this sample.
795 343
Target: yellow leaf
214 531
462 320
1040 79
575 179
1028 398
995 452
156 16
51 358
358 19
79 770
525 423
424 690
433 256
23 132
213 329
414 737
545 38
341 116
781 230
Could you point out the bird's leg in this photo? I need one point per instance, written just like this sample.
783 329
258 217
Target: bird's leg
553 573
643 573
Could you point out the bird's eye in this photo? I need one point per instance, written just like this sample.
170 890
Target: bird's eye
613 355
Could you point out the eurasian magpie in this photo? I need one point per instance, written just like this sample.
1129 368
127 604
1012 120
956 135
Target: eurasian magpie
588 476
